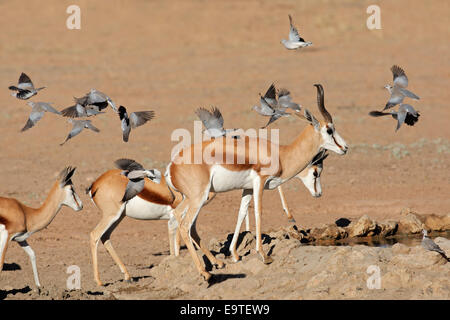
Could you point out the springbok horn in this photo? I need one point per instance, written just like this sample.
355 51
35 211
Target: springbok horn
320 103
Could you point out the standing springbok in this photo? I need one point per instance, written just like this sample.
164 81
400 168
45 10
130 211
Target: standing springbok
157 202
196 180
18 221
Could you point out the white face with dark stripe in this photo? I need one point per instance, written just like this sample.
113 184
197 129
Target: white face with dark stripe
332 140
71 198
311 179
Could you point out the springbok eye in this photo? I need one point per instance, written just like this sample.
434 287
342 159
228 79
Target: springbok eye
330 131
315 174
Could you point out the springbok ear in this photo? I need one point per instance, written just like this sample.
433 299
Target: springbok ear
311 119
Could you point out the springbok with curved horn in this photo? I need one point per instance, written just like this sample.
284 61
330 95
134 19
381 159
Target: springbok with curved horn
18 221
157 202
195 180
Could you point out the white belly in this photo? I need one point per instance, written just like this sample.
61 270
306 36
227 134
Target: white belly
138 208
225 180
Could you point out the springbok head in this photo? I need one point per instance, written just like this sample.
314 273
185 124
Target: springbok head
329 137
68 195
310 176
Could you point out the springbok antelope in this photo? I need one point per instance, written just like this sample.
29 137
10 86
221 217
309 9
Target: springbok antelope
157 202
18 221
196 180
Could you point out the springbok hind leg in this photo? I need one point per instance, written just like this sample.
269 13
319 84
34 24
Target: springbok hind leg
185 225
109 247
196 238
107 221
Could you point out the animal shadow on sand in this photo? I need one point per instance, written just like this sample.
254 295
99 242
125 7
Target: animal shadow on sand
11 267
5 293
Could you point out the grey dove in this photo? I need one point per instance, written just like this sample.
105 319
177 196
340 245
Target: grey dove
295 41
405 114
430 245
136 174
398 89
78 126
134 120
37 112
213 122
25 88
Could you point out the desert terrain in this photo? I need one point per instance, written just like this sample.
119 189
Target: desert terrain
173 57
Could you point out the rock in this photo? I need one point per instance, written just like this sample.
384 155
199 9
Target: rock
254 265
396 279
387 228
319 279
363 227
332 232
437 223
406 211
410 223
400 248
299 234
419 258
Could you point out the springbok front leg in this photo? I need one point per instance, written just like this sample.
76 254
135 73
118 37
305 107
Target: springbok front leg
103 231
26 247
284 204
174 236
258 187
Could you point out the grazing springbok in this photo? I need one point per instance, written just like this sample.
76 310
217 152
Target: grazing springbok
252 172
18 221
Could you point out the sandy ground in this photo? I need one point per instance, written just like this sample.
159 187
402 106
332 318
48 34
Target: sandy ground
174 57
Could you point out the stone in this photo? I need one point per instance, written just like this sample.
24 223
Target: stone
437 223
254 265
362 228
387 228
332 232
410 223
400 248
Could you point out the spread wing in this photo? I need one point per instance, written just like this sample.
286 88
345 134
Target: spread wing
270 96
293 33
400 77
211 119
25 82
128 164
47 107
139 118
35 116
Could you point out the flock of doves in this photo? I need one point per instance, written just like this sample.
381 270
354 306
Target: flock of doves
274 104
91 104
